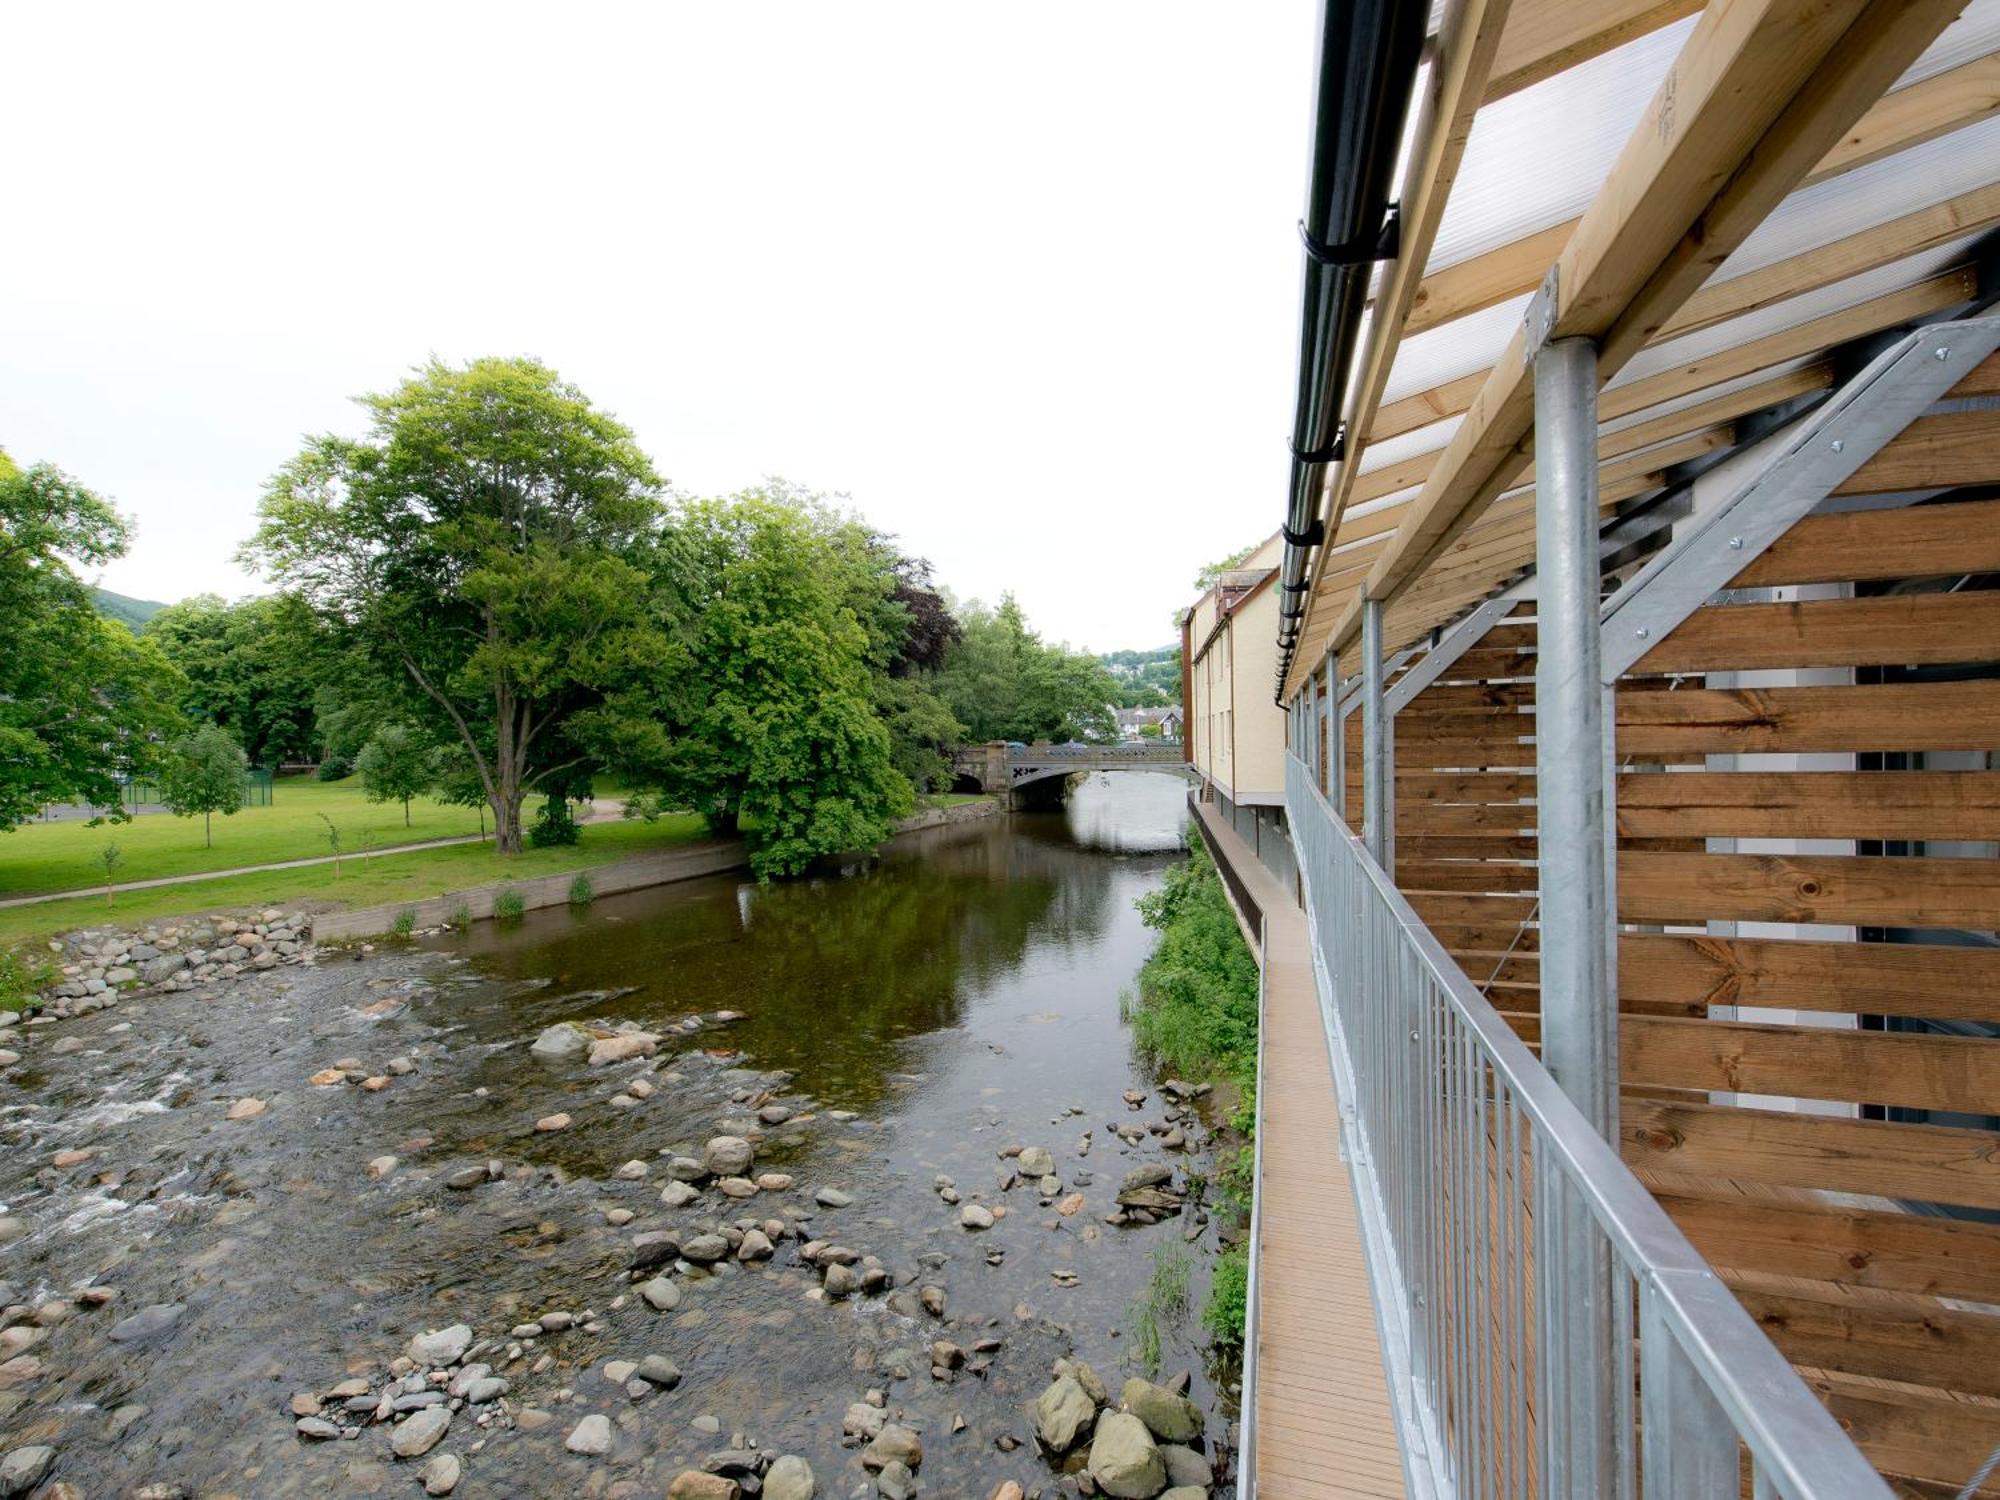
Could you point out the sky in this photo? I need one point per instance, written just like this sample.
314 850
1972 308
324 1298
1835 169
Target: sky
1020 281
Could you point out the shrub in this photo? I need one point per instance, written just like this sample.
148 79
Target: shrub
554 825
1227 1314
460 918
405 923
335 768
507 905
1197 1004
581 891
23 971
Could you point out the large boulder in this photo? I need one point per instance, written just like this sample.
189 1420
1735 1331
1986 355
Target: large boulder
1170 1418
693 1484
21 1469
423 1431
1063 1413
1036 1161
1124 1460
893 1445
790 1478
627 1044
442 1346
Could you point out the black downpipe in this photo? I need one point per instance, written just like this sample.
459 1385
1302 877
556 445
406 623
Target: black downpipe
1367 67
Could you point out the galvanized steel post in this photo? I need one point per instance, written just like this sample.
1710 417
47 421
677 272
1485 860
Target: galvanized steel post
1583 1445
1377 812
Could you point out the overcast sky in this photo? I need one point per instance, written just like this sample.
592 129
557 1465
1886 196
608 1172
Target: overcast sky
1021 280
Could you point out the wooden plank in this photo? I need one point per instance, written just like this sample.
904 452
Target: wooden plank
1890 716
1915 541
1882 1335
1926 1163
1881 1249
1908 117
1912 1069
1468 875
1546 37
1893 979
1891 630
1938 1441
1811 804
1941 452
1865 890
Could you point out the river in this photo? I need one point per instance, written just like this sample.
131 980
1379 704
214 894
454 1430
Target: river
906 1022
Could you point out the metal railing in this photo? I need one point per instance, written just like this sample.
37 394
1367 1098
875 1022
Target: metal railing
1497 1221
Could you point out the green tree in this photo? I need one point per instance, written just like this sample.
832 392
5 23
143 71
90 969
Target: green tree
1209 576
772 716
254 667
396 765
1005 683
480 547
204 775
82 702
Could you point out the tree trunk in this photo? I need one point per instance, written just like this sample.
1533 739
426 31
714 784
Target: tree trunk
507 823
406 812
208 829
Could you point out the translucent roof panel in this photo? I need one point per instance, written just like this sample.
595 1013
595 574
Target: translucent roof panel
1975 33
1887 189
1453 349
1571 126
1408 445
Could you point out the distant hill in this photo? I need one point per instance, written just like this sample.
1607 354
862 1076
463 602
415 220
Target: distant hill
134 612
1147 679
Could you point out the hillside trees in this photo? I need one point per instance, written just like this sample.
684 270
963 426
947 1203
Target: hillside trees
1004 682
253 667
82 701
481 546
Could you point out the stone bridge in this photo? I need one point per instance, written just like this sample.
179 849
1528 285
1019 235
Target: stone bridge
1005 768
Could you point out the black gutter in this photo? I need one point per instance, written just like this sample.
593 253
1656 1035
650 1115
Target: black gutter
1367 68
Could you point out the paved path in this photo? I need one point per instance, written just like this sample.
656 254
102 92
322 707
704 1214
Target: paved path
1325 1427
599 811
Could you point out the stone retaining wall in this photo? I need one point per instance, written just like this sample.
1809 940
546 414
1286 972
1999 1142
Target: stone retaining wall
716 857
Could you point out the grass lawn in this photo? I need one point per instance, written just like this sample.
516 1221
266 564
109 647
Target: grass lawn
45 857
368 882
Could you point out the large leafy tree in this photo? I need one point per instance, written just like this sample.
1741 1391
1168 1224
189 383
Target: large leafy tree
480 546
254 667
1006 683
772 718
82 702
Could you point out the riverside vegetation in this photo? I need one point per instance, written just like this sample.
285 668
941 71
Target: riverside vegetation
1196 1012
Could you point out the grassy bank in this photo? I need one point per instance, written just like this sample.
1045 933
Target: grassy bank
1196 1014
415 876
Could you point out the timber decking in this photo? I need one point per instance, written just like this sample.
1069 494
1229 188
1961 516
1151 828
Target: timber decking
1325 1426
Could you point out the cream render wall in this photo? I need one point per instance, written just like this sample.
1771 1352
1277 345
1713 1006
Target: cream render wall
1236 734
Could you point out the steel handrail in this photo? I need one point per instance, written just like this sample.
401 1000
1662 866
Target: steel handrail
1797 1448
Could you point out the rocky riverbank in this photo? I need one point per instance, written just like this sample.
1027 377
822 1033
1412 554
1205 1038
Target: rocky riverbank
389 1225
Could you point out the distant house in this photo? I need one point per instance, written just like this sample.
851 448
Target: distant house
1133 723
1170 723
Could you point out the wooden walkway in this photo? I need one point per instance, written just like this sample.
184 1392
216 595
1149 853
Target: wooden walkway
1324 1423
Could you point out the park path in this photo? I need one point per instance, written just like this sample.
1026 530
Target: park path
600 810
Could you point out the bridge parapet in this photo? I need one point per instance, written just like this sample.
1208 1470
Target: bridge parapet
1001 767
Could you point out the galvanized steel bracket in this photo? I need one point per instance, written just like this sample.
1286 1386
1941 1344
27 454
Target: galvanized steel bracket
1540 322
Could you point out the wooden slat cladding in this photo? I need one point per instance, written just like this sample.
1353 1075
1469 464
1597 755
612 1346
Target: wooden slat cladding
1896 716
1868 891
1900 630
1929 1163
1812 804
1912 1434
1916 541
1873 1248
1941 452
1912 1069
1896 979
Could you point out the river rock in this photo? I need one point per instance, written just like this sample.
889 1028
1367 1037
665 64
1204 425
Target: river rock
895 1482
316 1429
693 1484
863 1420
1124 1460
657 1369
1006 1489
441 1474
789 1478
841 1281
756 1246
894 1445
705 1249
147 1323
1186 1469
973 1216
736 1187
1035 1161
423 1431
1063 1413
831 1197
439 1347
246 1109
561 1041
1185 1492
590 1436
22 1468
678 1194
661 1294
727 1156
1170 1418
620 1048
548 1123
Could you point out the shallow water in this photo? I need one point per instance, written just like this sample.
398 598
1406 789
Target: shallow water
960 993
